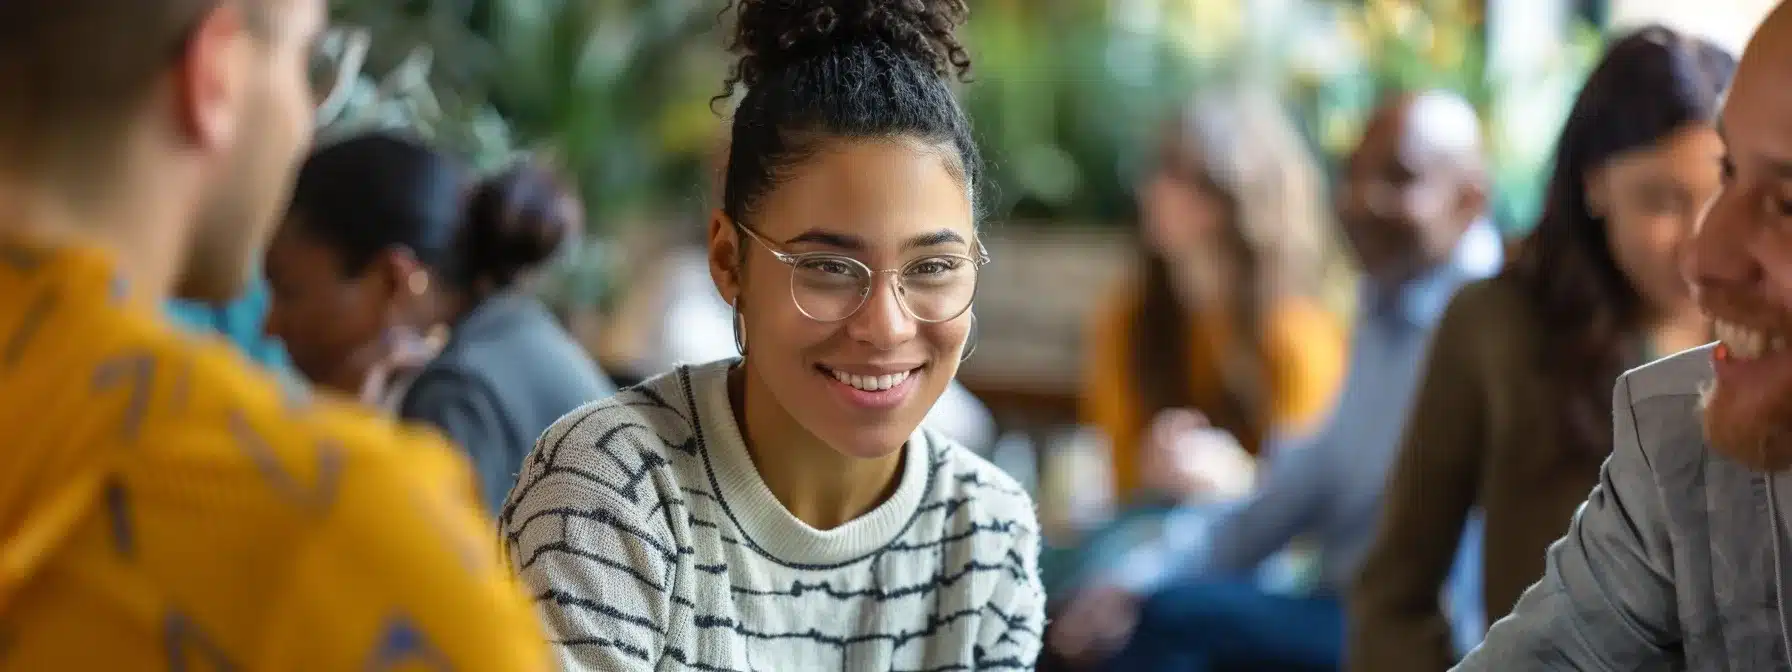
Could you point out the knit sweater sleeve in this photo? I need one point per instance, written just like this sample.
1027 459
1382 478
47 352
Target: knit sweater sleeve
582 536
1009 634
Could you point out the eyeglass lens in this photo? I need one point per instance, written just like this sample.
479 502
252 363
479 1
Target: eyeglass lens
933 289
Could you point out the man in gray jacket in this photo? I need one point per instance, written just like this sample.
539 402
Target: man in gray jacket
1679 559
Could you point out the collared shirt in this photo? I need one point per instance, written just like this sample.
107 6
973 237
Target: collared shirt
1328 487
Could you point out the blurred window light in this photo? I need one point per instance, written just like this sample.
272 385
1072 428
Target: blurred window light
1727 22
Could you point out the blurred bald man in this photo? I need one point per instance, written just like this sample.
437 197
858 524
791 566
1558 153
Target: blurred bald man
1413 208
163 505
1413 188
1680 558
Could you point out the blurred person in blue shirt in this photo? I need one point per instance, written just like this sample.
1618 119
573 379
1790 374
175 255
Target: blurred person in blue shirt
1413 208
240 321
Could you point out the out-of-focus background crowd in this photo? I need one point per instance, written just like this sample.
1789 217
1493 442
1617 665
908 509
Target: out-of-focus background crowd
1084 108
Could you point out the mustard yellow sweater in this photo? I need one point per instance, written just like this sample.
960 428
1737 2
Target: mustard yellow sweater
164 505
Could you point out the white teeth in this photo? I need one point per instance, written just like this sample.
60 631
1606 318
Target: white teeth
1746 343
871 383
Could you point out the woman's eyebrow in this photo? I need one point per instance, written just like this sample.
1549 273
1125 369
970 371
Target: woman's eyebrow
853 243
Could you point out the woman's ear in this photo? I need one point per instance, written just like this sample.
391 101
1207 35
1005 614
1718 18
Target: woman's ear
725 256
401 283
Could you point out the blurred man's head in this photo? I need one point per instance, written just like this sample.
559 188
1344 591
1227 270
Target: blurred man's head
165 129
1414 184
1741 261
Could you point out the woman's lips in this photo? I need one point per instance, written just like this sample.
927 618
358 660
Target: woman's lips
882 391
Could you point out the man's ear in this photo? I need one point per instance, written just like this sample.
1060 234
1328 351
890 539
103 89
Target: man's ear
725 256
211 78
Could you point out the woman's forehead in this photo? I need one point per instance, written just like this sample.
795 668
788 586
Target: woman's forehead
873 194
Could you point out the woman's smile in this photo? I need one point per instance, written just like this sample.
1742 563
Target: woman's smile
880 388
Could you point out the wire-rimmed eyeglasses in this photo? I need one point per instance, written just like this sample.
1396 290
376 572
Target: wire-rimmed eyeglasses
830 287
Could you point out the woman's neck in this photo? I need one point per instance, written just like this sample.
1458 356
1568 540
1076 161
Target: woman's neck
1202 283
451 306
820 486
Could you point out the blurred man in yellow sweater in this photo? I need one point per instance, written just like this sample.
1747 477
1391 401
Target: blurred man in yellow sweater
163 505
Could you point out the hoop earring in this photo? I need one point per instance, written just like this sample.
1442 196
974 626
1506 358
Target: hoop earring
971 341
740 338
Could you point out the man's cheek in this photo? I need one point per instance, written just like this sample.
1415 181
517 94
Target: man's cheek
1778 268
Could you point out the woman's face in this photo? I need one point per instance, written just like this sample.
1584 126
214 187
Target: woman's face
331 322
885 203
1182 219
1651 199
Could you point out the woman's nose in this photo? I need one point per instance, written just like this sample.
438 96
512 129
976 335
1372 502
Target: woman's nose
882 322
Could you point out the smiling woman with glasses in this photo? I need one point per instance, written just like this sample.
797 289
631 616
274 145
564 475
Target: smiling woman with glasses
784 509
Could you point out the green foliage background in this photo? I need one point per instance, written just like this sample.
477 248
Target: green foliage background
1066 96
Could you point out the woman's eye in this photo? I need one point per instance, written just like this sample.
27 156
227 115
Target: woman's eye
828 267
934 266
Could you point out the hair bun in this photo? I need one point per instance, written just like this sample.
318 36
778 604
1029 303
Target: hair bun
772 34
516 221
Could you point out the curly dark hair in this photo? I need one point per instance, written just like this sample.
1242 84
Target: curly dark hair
1650 84
819 69
769 35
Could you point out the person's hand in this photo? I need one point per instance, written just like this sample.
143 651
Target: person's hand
1095 625
1223 466
1166 470
1188 459
402 352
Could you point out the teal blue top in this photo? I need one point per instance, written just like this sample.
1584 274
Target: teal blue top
240 321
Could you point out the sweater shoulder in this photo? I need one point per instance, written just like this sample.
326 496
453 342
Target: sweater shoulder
980 487
657 415
620 455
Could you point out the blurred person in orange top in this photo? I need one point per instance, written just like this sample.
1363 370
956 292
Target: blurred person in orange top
1225 317
163 503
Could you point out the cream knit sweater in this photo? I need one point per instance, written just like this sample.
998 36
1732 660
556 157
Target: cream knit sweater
650 543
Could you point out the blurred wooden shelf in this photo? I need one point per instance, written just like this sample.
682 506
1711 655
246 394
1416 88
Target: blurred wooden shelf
1021 402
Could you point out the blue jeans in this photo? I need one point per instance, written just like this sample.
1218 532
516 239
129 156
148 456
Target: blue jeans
1213 626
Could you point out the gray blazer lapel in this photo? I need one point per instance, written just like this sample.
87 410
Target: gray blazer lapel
1669 431
1742 568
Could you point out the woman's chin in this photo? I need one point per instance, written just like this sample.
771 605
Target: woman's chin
870 443
338 382
870 424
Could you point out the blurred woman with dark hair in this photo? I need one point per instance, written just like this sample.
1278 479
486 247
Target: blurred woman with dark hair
1225 318
1512 417
396 280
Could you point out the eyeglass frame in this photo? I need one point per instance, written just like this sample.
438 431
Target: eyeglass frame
792 259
